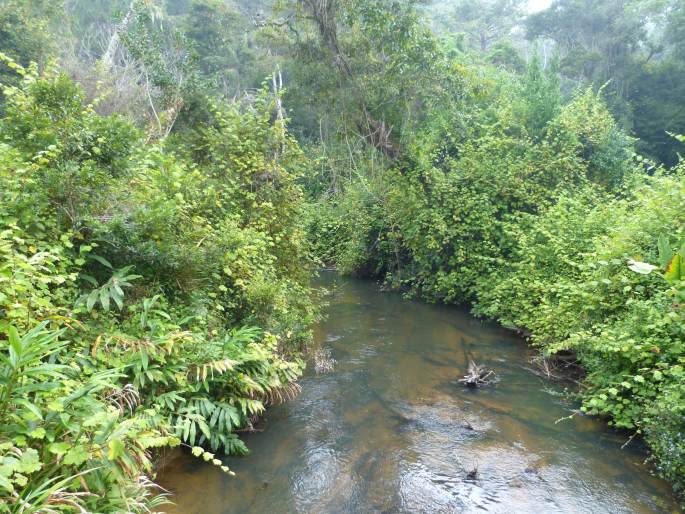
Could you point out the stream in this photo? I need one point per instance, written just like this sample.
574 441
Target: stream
389 429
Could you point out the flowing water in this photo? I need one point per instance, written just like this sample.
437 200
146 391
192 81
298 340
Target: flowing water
389 429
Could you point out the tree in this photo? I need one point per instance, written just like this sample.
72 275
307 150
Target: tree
540 95
483 22
632 48
24 36
224 37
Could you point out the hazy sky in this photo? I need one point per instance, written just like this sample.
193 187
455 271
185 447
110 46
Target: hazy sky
536 5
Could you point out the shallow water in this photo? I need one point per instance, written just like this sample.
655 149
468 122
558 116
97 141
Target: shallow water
390 431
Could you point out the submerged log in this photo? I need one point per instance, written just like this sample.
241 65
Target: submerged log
477 375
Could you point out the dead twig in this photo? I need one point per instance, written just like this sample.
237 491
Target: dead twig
477 375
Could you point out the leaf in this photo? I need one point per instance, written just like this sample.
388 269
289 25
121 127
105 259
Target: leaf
104 299
204 428
92 299
186 429
162 314
37 433
90 279
30 406
118 299
665 252
676 269
6 484
193 432
117 289
29 462
116 449
56 406
101 260
233 415
15 347
76 456
59 448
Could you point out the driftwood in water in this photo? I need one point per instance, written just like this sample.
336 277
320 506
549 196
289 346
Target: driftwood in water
477 375
473 474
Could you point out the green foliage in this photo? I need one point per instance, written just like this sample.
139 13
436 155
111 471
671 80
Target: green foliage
24 38
154 278
485 24
63 432
112 290
624 323
538 214
541 97
226 41
149 297
658 109
449 212
574 270
631 48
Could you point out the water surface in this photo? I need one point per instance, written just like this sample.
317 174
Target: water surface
390 431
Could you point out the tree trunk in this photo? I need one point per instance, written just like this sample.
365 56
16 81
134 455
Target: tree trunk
377 133
114 40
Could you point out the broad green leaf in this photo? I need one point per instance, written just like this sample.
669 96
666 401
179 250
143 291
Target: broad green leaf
56 406
101 260
90 279
665 252
29 462
6 484
59 448
92 299
118 299
104 298
116 449
76 456
119 291
37 433
30 406
676 269
15 347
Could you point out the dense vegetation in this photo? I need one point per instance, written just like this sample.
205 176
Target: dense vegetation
163 205
153 292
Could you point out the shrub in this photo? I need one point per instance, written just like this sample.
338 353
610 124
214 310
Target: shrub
150 295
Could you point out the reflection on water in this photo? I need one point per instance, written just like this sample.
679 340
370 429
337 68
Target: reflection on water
390 431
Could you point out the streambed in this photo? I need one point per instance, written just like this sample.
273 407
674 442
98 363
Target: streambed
389 429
